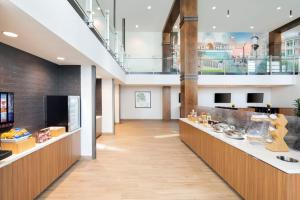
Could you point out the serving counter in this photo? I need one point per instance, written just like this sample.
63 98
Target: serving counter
250 169
24 176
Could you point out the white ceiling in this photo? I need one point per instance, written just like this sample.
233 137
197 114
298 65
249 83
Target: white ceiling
135 12
262 14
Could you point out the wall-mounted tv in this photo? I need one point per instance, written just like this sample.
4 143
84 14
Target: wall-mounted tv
255 98
222 97
6 111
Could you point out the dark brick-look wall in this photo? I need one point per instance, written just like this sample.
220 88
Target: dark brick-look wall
31 79
98 97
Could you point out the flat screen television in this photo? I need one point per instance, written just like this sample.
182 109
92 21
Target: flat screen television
255 98
222 97
6 111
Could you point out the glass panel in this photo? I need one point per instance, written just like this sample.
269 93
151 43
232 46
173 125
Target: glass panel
99 19
84 4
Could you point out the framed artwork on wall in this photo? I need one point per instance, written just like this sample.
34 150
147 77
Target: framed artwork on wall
143 99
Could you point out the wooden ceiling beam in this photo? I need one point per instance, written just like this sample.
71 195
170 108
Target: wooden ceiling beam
173 16
288 26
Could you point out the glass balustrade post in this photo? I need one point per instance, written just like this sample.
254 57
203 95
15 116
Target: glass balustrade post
89 10
270 64
107 29
117 45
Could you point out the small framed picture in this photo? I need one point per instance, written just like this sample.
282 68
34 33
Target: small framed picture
143 99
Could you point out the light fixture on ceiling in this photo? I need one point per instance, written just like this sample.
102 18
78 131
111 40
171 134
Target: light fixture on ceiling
93 12
214 27
175 27
149 7
10 34
228 14
136 26
98 8
60 58
278 8
291 13
214 8
251 27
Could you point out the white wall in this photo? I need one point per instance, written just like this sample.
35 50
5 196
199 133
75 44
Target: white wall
117 103
206 97
145 46
128 110
86 111
285 96
108 100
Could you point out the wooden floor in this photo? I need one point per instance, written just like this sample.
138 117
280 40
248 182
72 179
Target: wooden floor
144 160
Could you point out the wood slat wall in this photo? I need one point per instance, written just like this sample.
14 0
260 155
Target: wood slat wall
26 178
251 178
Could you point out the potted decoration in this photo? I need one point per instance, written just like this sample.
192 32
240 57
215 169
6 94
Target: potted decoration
297 104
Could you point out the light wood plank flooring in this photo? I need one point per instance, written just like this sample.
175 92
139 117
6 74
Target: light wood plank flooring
145 160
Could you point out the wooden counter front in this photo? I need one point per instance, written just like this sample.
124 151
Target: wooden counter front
26 178
251 178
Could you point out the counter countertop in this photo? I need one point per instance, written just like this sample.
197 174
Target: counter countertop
37 147
256 150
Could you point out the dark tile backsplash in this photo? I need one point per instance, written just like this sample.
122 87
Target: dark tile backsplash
31 78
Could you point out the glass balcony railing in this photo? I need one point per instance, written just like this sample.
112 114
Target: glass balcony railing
97 18
246 66
149 66
250 66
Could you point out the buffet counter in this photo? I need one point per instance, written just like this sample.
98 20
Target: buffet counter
252 170
27 174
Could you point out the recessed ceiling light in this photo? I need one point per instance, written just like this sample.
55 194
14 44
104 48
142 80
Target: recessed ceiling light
278 8
149 7
98 8
10 34
251 27
214 27
214 8
93 12
60 58
136 26
175 27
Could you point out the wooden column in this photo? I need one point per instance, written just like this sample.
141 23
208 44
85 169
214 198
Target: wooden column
166 52
167 32
188 55
166 102
275 43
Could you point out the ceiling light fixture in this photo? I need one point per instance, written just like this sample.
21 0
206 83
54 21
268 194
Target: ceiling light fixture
98 8
175 27
214 8
278 8
214 27
10 34
291 13
60 58
251 27
228 14
149 7
136 26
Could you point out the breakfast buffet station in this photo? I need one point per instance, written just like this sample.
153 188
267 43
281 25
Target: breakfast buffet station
31 161
248 150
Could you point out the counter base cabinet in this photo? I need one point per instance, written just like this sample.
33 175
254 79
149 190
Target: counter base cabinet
251 178
26 178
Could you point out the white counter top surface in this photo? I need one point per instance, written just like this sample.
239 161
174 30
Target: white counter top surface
37 147
255 149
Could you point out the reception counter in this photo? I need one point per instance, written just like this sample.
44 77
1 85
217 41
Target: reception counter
250 169
25 175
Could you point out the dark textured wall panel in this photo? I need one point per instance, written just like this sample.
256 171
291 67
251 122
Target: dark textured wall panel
31 78
98 97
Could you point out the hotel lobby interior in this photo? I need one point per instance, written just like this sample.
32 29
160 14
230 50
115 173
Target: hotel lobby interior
149 99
